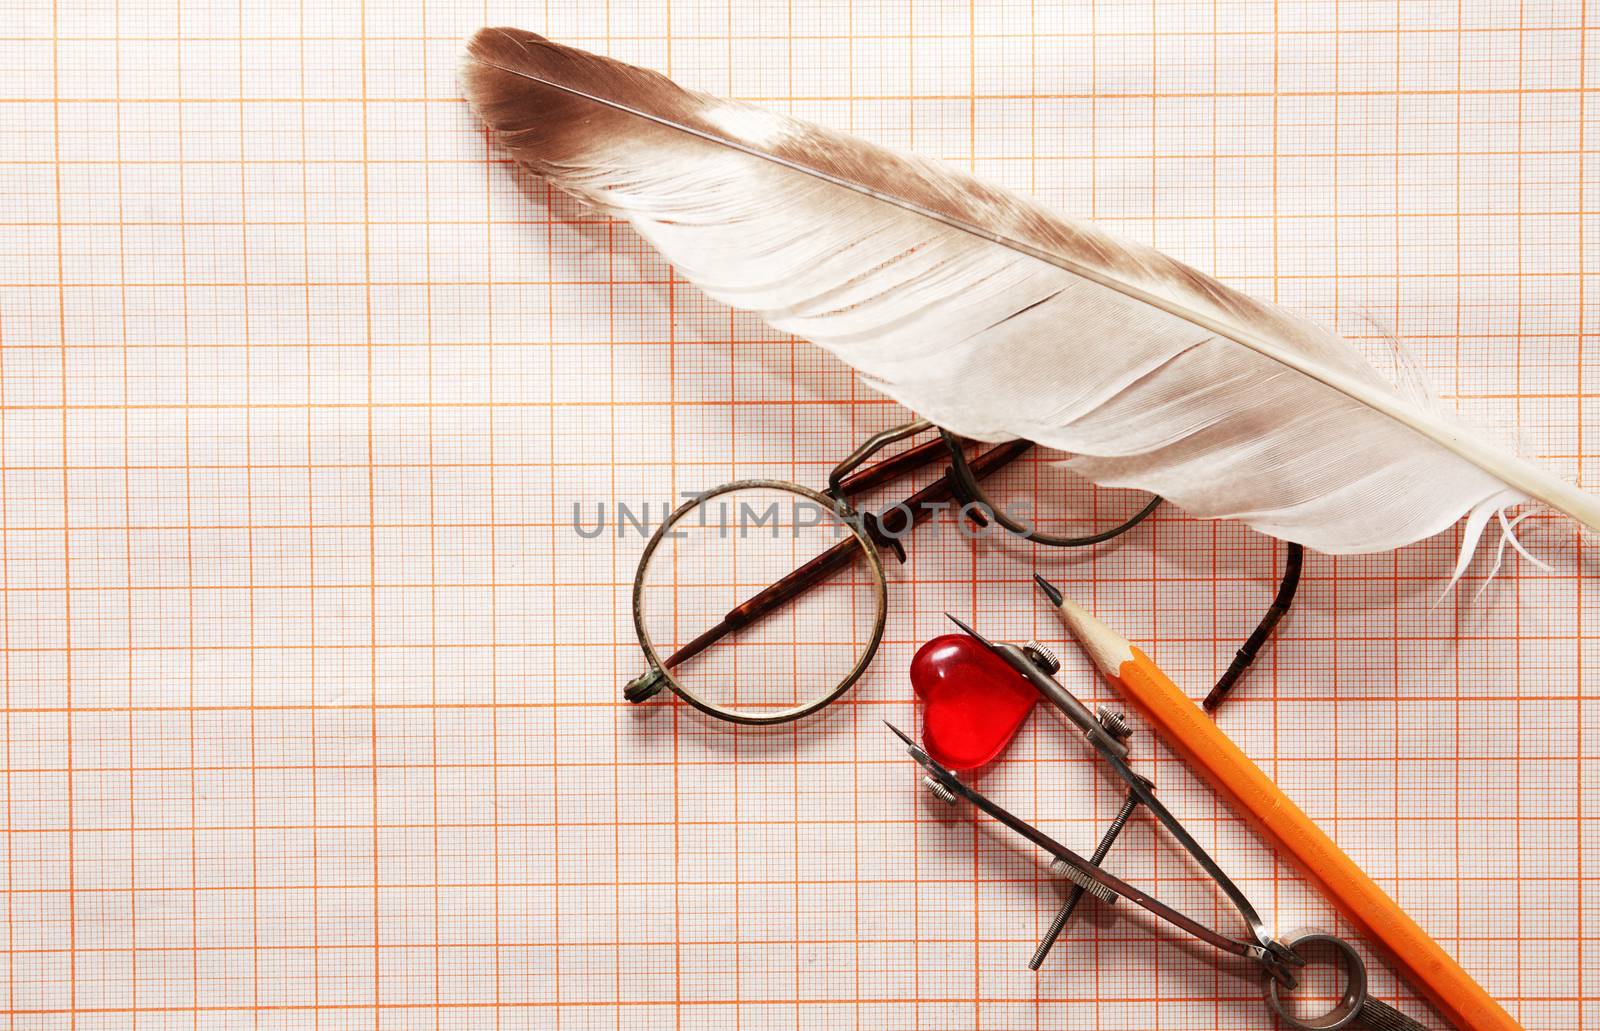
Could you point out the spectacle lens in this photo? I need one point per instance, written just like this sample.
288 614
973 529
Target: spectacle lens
723 562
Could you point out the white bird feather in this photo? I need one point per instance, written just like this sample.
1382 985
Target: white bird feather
996 318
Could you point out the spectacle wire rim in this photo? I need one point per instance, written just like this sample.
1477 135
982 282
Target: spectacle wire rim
740 716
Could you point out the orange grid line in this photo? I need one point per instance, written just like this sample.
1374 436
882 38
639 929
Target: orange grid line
499 812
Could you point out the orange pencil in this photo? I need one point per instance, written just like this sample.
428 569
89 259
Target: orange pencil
1190 733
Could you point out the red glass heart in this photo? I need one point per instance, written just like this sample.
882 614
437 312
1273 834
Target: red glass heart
974 703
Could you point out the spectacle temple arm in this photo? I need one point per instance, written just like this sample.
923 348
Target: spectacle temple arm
921 506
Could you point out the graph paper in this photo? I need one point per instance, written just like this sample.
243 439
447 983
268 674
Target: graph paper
312 710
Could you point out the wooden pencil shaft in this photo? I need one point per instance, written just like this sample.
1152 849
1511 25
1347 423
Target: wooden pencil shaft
1189 732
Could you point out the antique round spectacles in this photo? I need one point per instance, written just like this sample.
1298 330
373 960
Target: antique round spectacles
761 601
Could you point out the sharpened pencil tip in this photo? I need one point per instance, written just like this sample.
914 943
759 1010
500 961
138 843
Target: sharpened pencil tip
1050 590
1108 649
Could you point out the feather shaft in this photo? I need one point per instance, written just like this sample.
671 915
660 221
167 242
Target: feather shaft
1005 312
